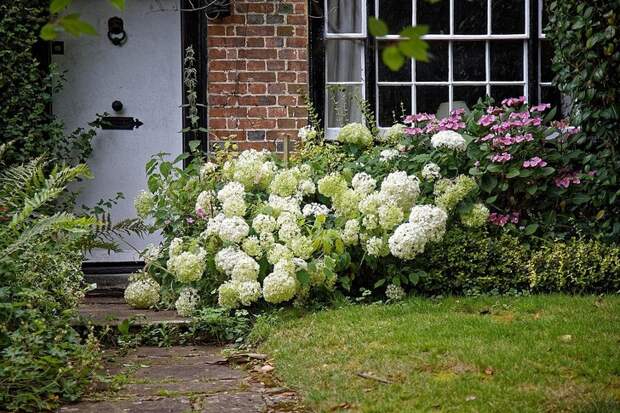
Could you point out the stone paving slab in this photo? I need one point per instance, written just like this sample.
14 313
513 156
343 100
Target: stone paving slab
185 379
111 311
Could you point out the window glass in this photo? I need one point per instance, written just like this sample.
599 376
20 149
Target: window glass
470 16
436 69
394 103
436 15
468 94
507 60
508 16
396 14
468 60
344 60
546 54
344 16
343 105
386 75
430 97
509 91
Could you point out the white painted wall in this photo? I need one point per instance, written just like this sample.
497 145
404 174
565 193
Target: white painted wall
145 75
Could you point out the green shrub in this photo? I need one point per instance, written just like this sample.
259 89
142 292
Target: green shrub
585 39
575 267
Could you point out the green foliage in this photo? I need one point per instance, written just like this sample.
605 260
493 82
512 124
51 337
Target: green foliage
409 46
585 38
26 87
63 21
42 359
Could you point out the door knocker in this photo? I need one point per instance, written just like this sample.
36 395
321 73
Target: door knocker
116 32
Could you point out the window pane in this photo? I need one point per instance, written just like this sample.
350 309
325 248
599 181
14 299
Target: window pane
507 60
546 54
343 105
394 103
550 94
396 14
437 67
545 15
428 98
344 16
469 94
435 15
508 16
344 60
386 75
468 61
470 16
502 92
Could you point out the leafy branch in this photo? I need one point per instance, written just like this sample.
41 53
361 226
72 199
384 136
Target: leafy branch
62 21
409 44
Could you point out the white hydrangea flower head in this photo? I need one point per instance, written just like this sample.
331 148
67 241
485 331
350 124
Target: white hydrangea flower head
175 247
266 240
279 287
315 209
266 174
205 204
228 295
390 215
264 223
301 246
350 233
393 134
233 229
306 187
245 268
332 184
387 155
284 204
213 225
432 220
143 203
450 193
187 302
449 139
370 222
249 292
431 171
286 218
401 188
355 133
284 183
150 253
247 168
371 203
207 169
188 267
476 217
376 247
278 252
142 293
346 203
289 231
234 206
408 241
300 264
251 246
363 183
395 292
226 259
231 190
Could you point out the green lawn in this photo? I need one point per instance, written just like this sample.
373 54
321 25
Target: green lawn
549 353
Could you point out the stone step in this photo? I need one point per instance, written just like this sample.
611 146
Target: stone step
112 285
111 311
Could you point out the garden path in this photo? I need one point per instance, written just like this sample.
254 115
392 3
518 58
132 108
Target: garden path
184 379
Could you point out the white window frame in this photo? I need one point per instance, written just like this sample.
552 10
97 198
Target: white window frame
451 38
330 133
541 37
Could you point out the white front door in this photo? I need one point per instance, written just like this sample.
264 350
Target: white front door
144 74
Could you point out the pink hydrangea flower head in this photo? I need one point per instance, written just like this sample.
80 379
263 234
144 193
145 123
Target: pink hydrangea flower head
540 108
501 157
486 120
511 102
534 162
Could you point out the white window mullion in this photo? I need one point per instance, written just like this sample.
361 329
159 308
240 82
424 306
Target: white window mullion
450 75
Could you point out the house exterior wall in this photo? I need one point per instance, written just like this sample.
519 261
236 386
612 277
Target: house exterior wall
258 71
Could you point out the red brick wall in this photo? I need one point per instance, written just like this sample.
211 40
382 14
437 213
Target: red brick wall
258 62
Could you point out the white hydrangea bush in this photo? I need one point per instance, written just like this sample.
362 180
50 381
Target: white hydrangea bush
258 232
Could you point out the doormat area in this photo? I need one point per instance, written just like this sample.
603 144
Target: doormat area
184 379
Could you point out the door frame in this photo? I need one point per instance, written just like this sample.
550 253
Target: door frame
194 23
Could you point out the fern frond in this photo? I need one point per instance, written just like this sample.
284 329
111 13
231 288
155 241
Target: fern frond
17 182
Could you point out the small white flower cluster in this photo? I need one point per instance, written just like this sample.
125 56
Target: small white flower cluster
449 139
150 253
142 293
281 284
206 205
232 198
363 183
393 134
186 266
243 287
387 155
306 133
252 169
355 133
207 169
292 182
187 301
431 171
394 292
314 209
144 203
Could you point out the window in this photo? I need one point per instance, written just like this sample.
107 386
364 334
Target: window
477 47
